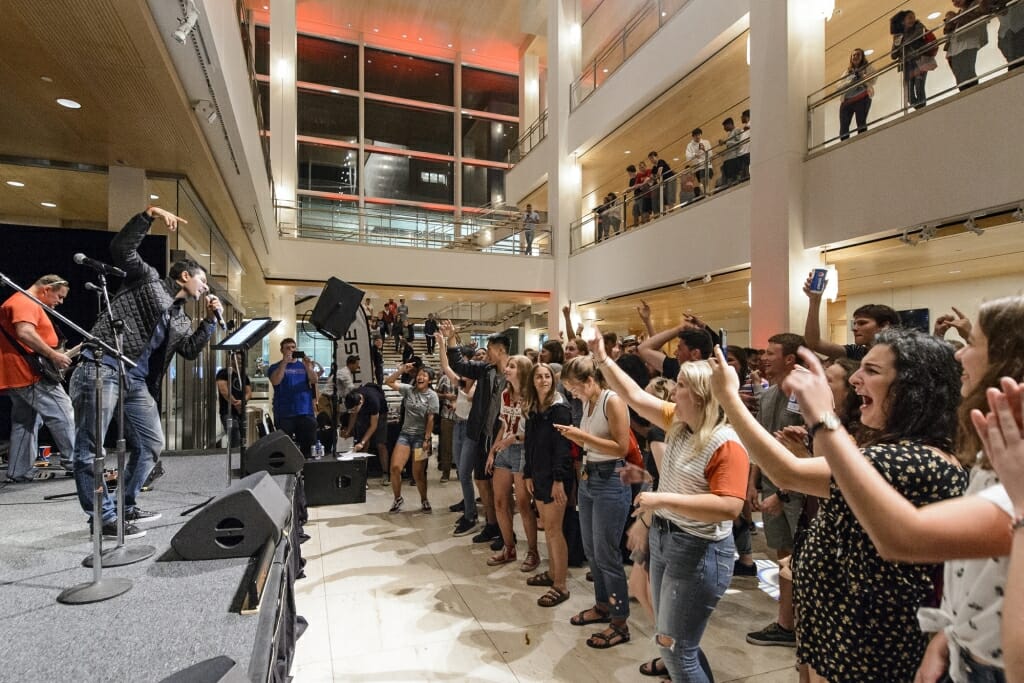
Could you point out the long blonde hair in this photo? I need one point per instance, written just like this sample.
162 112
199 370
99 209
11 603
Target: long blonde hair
696 375
523 368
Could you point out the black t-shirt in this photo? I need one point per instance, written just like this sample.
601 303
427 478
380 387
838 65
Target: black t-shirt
236 388
374 403
666 170
855 351
670 368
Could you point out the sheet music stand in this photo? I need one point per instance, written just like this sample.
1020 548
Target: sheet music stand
241 340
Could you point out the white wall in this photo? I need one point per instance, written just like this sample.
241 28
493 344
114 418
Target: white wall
310 259
711 236
966 295
606 21
695 33
531 172
949 159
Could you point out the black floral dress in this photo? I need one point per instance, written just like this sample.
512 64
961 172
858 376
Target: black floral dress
857 612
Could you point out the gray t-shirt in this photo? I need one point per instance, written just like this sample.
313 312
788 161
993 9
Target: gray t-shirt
418 404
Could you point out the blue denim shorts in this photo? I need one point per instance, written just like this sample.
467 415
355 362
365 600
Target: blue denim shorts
413 442
511 458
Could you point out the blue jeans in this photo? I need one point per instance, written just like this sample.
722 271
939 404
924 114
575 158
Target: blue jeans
604 505
465 450
688 577
41 403
143 432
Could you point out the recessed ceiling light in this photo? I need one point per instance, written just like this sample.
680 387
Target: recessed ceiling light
266 7
15 183
675 158
154 196
420 39
886 282
449 44
935 15
629 151
473 50
953 272
204 254
335 91
869 52
664 14
70 104
376 30
48 205
604 70
404 35
46 78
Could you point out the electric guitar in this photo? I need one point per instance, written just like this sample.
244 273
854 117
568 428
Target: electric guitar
49 370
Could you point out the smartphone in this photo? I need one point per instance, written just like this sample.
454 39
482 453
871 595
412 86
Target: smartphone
724 337
818 276
298 355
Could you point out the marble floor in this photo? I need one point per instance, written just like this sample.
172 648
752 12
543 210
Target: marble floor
395 597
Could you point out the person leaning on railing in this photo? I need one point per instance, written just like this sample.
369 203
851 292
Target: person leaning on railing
968 33
916 59
858 87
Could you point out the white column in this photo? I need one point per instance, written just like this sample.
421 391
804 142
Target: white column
283 114
787 55
529 89
564 179
457 150
281 307
126 195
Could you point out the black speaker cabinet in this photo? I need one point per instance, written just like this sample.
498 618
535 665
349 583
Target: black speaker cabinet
335 310
237 523
335 482
275 453
217 670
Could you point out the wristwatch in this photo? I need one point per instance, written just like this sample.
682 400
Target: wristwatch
829 421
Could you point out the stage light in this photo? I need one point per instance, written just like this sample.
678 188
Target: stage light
971 226
187 24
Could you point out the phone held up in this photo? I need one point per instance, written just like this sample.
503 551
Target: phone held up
298 355
724 337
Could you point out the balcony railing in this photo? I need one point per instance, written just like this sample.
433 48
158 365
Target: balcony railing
724 166
537 131
402 226
910 78
638 30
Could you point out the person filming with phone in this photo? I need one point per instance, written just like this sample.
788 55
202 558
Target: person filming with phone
294 381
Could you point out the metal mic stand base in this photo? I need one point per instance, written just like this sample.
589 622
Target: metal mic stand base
95 591
122 555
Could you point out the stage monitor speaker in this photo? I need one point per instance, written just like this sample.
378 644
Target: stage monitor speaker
335 310
275 453
217 670
237 523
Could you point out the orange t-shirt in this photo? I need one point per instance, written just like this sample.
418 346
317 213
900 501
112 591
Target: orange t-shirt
14 369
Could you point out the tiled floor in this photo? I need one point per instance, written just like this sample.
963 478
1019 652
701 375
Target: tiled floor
398 598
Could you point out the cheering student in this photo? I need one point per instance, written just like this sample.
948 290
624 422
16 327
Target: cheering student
420 405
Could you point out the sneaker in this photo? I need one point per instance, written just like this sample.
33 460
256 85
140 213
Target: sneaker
156 473
488 534
457 507
110 531
140 516
397 505
385 480
445 478
772 634
740 569
425 506
463 527
497 543
507 554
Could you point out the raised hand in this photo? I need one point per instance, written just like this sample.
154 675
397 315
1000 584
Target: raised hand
725 383
595 342
811 387
1002 436
644 310
166 216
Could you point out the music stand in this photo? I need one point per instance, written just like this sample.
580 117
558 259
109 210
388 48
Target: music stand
241 340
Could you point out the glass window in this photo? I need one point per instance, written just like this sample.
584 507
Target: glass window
313 344
486 139
399 177
328 218
414 78
482 185
396 125
327 62
262 50
328 116
328 169
490 91
408 225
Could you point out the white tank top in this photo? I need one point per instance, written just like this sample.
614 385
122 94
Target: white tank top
596 424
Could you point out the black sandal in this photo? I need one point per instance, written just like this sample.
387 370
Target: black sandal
542 579
603 641
655 667
553 597
581 618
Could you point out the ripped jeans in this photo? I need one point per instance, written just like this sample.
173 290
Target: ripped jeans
688 577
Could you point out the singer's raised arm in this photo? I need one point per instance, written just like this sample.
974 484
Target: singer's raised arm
124 248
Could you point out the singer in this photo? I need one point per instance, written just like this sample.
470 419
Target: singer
156 327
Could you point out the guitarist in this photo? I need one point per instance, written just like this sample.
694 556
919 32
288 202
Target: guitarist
35 398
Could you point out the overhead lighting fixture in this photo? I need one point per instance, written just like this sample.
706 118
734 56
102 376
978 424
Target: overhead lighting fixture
1018 215
706 279
935 15
869 52
929 232
335 91
405 35
954 272
907 239
605 70
46 78
971 226
70 104
48 205
449 45
629 151
187 24
15 183
376 30
205 109
154 196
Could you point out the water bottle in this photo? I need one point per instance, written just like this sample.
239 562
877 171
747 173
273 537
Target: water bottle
318 451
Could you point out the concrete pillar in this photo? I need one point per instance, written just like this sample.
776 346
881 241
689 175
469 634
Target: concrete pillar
127 195
564 178
787 55
283 112
529 89
281 307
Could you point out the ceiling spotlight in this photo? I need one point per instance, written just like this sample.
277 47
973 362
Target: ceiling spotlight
70 104
706 279
685 284
1018 215
929 232
154 196
971 226
205 109
187 24
48 205
15 183
907 239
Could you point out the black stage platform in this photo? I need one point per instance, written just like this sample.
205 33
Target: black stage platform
177 613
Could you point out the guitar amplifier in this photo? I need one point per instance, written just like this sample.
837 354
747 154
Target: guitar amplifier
334 482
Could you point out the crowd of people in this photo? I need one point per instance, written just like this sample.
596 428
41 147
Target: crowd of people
874 467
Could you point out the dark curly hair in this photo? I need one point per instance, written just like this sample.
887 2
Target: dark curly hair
922 401
849 412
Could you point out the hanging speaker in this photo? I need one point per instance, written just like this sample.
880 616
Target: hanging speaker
335 310
275 453
237 523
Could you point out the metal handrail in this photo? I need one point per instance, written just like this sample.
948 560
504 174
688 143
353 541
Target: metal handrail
525 144
887 64
666 197
617 43
244 19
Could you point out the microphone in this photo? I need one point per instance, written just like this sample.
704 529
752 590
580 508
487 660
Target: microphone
92 287
98 266
217 314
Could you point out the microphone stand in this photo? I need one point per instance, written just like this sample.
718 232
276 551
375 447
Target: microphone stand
100 588
334 396
120 554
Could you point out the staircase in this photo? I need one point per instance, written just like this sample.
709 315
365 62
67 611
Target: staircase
393 359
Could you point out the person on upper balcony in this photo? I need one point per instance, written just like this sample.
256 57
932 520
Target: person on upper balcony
910 48
858 87
698 158
968 33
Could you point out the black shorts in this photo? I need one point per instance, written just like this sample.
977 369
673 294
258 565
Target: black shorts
542 488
